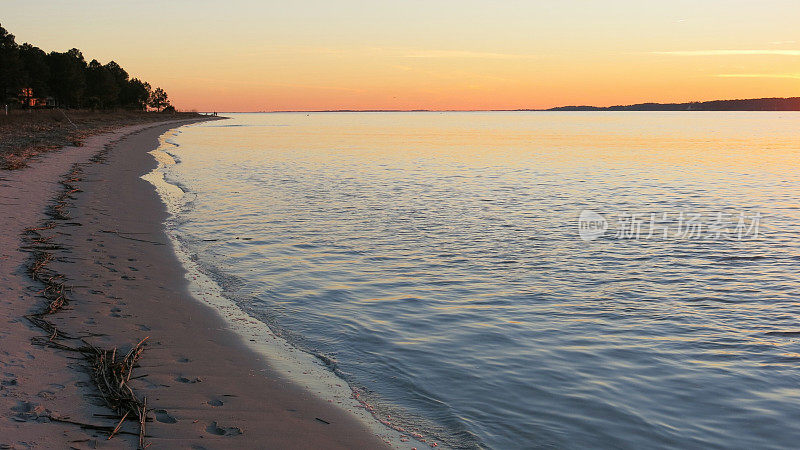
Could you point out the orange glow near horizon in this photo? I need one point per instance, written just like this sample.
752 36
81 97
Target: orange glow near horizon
316 55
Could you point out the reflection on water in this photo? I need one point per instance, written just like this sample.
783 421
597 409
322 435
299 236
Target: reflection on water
435 257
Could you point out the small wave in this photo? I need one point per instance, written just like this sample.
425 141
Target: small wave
783 333
741 258
175 158
713 299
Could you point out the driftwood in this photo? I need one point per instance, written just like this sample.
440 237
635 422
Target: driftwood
119 425
112 374
88 426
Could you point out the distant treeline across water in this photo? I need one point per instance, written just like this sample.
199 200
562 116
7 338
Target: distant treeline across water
29 77
753 104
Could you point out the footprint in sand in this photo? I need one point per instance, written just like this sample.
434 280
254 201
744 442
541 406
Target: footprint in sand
186 380
164 417
149 384
223 431
47 395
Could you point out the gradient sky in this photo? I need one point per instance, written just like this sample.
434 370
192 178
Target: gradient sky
248 55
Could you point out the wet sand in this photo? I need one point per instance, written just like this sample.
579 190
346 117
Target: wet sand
204 386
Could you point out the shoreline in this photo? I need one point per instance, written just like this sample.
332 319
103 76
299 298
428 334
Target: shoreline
203 385
289 362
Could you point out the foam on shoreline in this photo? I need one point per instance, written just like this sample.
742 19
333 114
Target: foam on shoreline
300 367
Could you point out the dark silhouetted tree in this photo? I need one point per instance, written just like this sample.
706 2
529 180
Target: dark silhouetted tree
159 99
11 73
67 77
37 72
102 90
119 74
136 94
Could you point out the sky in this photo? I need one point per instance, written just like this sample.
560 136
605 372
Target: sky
249 55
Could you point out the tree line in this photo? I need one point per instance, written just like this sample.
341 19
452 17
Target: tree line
30 77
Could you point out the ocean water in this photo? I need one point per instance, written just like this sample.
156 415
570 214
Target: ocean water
437 263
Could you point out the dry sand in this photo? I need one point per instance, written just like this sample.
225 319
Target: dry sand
205 387
26 133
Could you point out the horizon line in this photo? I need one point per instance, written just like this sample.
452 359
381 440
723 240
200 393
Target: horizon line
551 109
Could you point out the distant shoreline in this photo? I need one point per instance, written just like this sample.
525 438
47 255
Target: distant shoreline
753 104
774 104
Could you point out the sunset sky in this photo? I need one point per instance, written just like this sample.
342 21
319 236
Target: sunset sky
248 55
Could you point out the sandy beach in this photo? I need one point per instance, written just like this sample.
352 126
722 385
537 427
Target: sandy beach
405 225
204 387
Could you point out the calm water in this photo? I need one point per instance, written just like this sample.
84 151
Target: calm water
435 257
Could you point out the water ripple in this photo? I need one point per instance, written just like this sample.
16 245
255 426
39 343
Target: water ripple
434 260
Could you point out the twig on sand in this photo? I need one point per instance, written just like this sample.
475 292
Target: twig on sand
131 238
119 425
87 426
49 226
142 420
48 327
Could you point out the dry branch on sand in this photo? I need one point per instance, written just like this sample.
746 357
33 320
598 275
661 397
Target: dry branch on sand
112 375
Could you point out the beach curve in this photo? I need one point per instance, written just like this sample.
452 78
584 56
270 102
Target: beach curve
201 383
